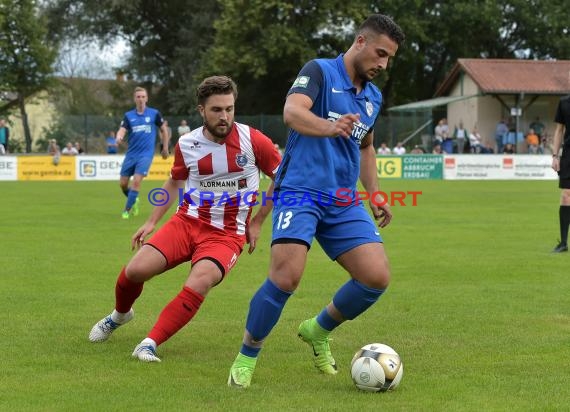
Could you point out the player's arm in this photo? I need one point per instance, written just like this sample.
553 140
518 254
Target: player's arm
558 133
256 222
162 200
120 135
368 176
165 139
297 113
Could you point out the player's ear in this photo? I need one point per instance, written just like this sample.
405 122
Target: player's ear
200 110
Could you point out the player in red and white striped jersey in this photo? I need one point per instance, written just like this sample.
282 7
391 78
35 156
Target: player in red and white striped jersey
218 166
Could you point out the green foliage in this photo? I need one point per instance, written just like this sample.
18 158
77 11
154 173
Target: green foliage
263 44
168 39
25 57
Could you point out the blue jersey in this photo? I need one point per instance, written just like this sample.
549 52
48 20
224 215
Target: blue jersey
323 165
142 131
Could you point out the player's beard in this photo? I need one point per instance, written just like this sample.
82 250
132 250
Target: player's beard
366 74
220 130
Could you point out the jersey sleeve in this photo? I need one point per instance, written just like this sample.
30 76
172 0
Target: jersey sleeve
158 119
125 123
179 170
267 158
309 81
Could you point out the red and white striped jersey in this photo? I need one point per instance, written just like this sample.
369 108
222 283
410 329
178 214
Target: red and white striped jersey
219 176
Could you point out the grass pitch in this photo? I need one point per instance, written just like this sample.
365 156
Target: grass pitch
478 309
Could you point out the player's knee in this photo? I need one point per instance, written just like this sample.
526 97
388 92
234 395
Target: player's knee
288 283
137 272
565 197
379 278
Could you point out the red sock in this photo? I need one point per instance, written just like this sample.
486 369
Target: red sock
126 292
176 314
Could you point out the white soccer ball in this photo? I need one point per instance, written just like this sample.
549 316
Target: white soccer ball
376 368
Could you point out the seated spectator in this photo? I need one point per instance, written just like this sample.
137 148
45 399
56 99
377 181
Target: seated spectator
533 141
69 150
78 148
436 149
417 150
509 148
399 149
383 149
475 141
112 145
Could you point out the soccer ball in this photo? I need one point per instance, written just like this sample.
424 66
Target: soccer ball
376 368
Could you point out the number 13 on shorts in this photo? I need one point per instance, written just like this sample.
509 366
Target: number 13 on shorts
284 220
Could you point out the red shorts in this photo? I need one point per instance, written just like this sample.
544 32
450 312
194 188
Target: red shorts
184 238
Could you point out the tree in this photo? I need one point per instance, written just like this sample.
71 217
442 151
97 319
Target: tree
25 57
167 39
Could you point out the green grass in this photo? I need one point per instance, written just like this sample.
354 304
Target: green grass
478 309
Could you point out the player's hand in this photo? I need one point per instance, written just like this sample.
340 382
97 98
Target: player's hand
556 164
164 154
252 233
138 238
381 211
119 139
344 125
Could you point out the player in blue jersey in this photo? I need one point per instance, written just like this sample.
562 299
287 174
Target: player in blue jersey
140 124
330 109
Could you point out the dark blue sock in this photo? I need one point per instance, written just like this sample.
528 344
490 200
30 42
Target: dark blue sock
326 321
131 199
265 309
126 192
249 351
353 298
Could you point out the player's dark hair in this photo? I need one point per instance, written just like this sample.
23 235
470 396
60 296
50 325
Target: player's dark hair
381 24
215 85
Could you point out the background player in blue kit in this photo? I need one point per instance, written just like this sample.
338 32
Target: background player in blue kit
331 110
140 124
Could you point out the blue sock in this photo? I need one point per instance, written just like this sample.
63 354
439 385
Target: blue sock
353 298
326 321
126 192
131 199
264 311
249 351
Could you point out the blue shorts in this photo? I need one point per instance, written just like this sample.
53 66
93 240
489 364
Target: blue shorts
338 228
136 166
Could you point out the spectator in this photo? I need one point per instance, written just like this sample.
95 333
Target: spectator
509 148
183 128
537 126
78 147
475 141
384 149
417 150
500 133
53 150
112 145
460 135
69 150
439 134
533 141
436 149
4 137
399 149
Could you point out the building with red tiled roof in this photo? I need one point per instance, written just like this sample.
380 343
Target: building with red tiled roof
480 92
